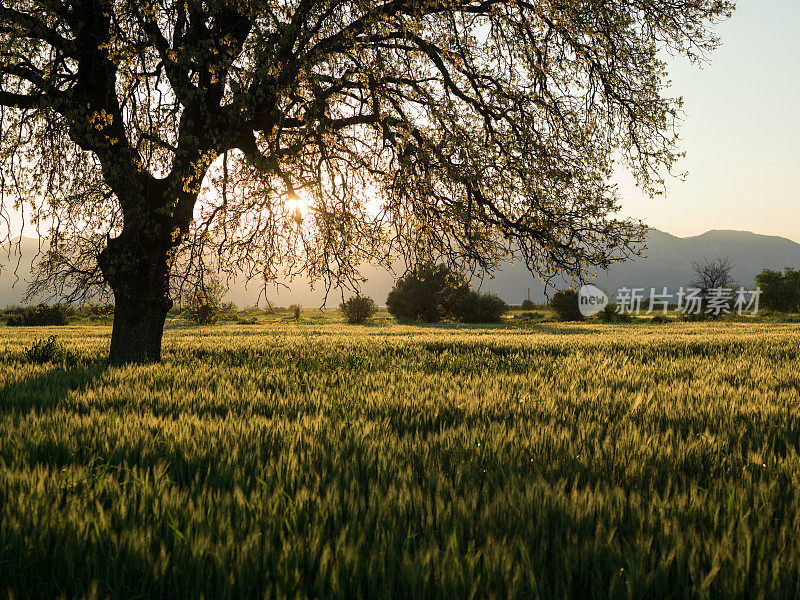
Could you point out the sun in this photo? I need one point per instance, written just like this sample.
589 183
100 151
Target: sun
298 206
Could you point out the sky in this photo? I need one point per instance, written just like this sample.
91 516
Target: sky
741 132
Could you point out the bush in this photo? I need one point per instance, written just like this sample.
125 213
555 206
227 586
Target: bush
358 309
204 305
528 317
694 317
47 351
228 311
528 304
41 315
610 314
661 319
474 307
96 310
429 293
780 291
565 305
296 309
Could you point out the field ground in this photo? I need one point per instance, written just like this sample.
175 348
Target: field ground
324 460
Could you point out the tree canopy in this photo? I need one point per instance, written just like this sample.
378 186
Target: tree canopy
149 139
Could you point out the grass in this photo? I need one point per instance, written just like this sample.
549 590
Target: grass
316 459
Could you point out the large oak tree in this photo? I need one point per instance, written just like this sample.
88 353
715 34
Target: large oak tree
151 138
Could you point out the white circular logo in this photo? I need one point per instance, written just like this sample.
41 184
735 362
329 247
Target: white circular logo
591 300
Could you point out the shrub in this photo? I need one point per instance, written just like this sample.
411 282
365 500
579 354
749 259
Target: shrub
527 317
428 293
694 317
610 314
46 351
565 305
296 309
41 315
474 307
661 319
96 310
358 309
254 310
780 291
204 305
11 311
527 304
93 312
228 311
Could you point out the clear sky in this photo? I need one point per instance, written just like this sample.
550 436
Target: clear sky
741 131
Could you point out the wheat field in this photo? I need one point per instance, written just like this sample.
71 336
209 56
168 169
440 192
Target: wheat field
320 460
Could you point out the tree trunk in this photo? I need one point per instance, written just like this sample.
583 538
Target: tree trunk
138 327
137 270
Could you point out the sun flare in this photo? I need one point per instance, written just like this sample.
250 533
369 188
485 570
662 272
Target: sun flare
297 206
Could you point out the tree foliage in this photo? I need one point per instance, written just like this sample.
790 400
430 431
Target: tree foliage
565 304
711 274
41 315
204 304
612 314
434 292
155 140
474 307
780 291
427 293
358 309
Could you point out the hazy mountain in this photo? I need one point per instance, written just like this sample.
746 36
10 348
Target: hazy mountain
667 264
668 258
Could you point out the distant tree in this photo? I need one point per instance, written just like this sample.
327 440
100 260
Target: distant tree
41 315
780 291
97 310
296 310
565 305
427 293
204 305
527 304
149 136
358 309
712 274
474 307
611 314
792 278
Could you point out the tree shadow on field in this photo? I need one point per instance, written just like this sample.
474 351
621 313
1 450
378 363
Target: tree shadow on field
45 390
